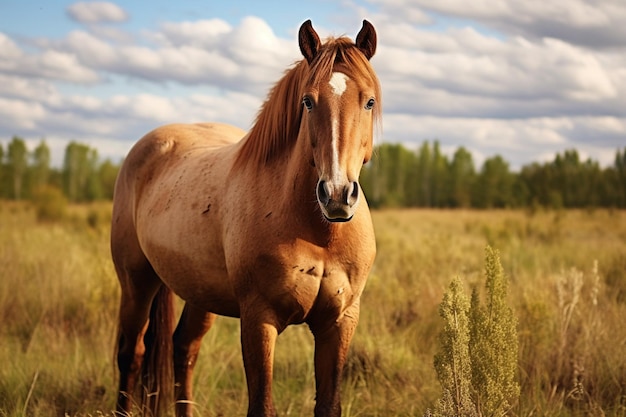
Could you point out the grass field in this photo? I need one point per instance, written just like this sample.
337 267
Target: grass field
567 273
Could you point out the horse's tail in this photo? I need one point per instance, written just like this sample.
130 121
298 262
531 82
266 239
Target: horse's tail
157 367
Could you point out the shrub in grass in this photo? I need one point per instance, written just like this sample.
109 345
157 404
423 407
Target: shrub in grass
493 343
477 358
452 362
50 204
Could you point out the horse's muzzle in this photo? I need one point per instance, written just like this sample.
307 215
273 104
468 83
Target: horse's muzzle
338 202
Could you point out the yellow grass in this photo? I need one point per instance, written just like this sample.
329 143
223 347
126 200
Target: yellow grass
59 295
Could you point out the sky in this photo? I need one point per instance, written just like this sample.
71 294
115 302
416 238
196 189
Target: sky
523 79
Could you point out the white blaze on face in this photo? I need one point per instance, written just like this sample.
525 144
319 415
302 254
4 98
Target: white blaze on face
338 86
338 82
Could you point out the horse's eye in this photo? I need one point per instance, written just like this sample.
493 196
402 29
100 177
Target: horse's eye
307 103
370 104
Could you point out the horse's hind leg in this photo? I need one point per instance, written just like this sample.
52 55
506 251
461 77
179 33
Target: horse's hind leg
133 323
193 325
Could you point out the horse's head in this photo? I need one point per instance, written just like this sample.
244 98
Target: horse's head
340 100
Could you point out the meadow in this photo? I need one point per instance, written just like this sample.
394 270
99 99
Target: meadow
567 288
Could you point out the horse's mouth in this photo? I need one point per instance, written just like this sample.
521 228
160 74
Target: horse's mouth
336 212
338 219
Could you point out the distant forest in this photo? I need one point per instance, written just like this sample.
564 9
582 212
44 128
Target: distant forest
396 177
84 177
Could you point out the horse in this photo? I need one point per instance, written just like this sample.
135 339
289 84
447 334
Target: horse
269 226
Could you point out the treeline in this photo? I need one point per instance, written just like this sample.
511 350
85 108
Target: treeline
399 177
83 177
396 177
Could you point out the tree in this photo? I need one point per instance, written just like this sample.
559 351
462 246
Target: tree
426 178
107 174
620 178
41 165
424 172
566 182
79 172
387 179
494 185
18 162
462 177
439 177
4 187
572 179
397 167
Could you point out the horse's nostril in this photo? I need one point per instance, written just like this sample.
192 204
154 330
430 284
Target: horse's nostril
323 193
354 194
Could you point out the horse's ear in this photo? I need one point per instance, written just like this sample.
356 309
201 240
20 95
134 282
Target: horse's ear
309 41
366 40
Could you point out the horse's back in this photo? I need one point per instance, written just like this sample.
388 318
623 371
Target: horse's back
163 144
167 145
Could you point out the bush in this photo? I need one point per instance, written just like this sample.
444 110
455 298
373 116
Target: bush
477 359
50 204
452 362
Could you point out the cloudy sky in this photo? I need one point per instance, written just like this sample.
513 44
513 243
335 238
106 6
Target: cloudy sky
524 79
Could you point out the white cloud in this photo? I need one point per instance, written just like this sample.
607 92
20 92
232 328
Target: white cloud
248 57
200 33
520 141
12 86
96 52
119 118
8 48
515 92
596 24
96 12
50 64
254 42
475 75
398 11
18 114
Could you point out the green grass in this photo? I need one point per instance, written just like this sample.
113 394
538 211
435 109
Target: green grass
59 299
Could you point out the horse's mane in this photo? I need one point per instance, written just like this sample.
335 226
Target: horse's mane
278 122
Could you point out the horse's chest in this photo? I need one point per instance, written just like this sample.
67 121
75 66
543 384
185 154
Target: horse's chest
338 289
304 285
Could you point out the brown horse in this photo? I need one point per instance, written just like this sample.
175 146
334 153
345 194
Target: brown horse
269 226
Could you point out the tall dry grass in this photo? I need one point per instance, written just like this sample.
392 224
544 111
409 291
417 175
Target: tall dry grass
59 297
57 301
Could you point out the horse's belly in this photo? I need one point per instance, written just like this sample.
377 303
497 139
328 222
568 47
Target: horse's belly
211 295
201 280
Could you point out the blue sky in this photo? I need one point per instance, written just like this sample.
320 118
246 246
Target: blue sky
524 79
50 18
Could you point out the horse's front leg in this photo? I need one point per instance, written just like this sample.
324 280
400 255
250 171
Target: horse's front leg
258 340
332 342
